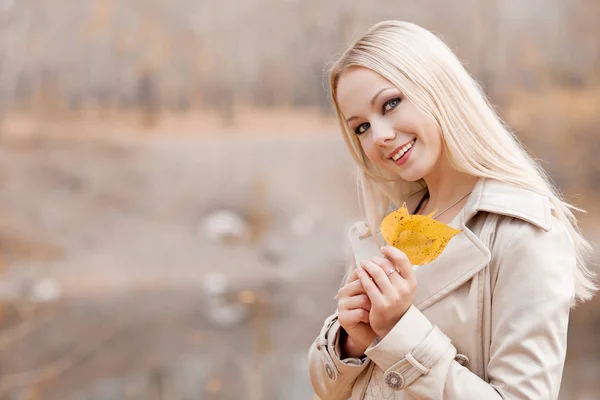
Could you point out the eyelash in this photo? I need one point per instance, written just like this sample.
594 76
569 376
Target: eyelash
395 99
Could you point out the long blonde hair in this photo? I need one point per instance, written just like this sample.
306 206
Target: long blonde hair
476 141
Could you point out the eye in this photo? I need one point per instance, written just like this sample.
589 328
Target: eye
391 104
362 128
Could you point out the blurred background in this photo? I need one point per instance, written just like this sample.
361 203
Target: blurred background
175 194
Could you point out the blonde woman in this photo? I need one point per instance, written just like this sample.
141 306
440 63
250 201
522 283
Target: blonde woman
488 318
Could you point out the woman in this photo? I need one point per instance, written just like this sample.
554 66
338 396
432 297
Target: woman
488 318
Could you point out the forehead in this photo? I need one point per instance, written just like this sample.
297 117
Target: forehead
357 86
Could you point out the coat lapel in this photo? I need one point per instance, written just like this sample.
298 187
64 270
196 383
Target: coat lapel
465 255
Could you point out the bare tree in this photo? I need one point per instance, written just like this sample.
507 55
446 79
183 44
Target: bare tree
14 32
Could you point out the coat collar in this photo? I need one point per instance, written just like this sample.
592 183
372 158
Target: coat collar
507 199
466 254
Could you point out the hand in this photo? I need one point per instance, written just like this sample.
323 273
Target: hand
391 294
353 315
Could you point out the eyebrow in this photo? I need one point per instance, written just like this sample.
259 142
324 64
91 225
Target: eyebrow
373 100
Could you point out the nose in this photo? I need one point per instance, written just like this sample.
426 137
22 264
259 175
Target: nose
382 133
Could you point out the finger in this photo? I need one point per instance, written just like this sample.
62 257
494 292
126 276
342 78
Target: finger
380 278
390 270
401 261
353 316
370 287
352 276
351 289
382 262
359 301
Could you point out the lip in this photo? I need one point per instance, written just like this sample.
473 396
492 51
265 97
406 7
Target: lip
393 153
402 160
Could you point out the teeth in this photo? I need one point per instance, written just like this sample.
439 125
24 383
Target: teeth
403 150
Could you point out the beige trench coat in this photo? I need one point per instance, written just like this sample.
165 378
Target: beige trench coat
489 316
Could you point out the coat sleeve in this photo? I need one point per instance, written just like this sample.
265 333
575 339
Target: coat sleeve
331 377
529 316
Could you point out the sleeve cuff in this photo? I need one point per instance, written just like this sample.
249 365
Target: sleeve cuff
337 350
405 336
328 345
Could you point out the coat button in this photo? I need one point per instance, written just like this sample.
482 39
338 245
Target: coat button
462 359
395 380
329 372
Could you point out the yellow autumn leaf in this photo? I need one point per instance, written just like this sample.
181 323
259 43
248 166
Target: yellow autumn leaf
420 237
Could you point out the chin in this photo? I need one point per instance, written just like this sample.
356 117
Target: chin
411 177
413 174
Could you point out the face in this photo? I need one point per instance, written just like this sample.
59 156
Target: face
394 134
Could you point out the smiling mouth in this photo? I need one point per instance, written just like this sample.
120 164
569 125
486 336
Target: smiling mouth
403 150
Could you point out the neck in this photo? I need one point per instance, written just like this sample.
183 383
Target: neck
447 185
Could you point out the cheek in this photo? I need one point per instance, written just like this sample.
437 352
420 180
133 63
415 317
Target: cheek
369 149
434 143
432 138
